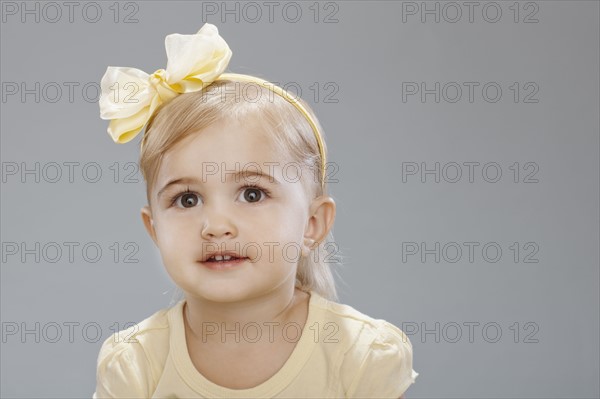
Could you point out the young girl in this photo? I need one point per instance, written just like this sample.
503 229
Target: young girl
238 207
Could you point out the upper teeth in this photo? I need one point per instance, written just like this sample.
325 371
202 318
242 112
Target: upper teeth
221 257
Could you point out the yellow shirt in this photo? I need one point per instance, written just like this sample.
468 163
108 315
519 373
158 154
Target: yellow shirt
341 353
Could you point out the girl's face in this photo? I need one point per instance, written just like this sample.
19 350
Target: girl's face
200 203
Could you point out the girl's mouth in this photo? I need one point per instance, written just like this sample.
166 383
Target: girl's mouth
220 263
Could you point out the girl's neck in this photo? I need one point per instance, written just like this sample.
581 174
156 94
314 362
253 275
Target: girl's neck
278 307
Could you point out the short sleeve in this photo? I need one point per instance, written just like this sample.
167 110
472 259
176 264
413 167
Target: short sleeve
386 369
122 370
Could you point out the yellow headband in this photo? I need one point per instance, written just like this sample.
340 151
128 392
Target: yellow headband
129 96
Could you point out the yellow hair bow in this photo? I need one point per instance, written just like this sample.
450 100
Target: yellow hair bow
130 96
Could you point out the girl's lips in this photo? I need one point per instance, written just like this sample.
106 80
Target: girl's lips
223 265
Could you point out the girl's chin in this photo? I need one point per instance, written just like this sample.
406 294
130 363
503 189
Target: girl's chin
225 292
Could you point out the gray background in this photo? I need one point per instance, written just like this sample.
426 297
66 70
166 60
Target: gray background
371 132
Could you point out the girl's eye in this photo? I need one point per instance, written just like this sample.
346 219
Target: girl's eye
188 200
254 194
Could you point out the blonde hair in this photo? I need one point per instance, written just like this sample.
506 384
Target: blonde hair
188 113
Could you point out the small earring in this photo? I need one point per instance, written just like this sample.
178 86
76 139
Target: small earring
310 243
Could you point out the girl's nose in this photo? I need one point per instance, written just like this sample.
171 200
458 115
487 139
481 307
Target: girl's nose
217 225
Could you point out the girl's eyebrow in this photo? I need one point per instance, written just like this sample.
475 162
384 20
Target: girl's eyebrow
193 180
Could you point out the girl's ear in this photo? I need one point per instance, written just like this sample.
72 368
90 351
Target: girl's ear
320 221
149 222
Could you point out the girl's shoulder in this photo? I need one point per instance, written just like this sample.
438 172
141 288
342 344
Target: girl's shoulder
376 356
149 331
130 360
365 330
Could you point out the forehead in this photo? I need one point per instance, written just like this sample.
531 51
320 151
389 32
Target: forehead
228 143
